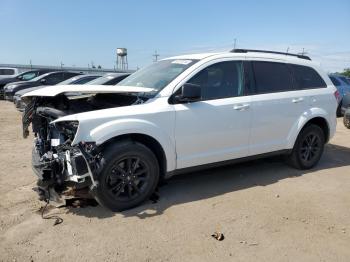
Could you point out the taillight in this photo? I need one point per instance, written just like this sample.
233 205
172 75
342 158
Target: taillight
337 96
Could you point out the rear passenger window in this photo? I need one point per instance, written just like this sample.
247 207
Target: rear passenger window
271 77
307 78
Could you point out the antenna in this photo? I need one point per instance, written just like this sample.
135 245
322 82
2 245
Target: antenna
156 55
234 43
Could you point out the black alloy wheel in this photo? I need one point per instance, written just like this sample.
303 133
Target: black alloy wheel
129 174
308 147
128 178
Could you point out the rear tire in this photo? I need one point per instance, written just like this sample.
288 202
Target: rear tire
128 176
308 148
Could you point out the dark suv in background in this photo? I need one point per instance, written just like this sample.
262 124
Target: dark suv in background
51 78
25 76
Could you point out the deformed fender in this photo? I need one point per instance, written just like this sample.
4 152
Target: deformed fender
304 119
115 128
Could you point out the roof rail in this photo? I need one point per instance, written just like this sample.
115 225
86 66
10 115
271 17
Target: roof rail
269 52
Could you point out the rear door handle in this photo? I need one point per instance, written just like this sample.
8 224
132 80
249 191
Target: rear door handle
298 100
241 107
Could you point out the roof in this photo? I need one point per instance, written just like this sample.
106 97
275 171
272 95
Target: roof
251 54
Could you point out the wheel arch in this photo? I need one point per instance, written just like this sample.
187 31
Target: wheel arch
146 140
318 120
322 123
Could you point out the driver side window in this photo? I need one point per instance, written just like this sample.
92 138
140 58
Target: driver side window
221 80
28 76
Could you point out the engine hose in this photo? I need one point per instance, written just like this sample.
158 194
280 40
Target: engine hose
58 220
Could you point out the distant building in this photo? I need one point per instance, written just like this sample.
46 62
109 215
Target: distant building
23 68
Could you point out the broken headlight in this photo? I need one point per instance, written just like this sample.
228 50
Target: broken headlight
68 128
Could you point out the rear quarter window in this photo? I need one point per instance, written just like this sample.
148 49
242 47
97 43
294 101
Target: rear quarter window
307 77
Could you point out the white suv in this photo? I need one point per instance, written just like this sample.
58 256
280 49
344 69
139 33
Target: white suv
177 115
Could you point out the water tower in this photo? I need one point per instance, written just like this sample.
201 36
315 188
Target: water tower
122 58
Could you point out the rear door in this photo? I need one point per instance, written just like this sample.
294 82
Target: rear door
276 106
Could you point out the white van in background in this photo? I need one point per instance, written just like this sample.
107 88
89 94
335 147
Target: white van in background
8 72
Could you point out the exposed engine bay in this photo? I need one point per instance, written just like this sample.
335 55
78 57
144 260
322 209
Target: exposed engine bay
66 171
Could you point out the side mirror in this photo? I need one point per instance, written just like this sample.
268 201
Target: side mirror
189 93
43 81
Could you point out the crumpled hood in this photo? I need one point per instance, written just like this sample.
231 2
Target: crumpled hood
52 91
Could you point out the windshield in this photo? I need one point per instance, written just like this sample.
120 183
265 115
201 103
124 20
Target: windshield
158 75
69 80
39 77
102 80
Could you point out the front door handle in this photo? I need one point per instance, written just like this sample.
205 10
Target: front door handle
298 100
241 107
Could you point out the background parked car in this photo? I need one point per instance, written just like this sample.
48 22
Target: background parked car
25 76
345 104
75 80
51 78
343 86
8 72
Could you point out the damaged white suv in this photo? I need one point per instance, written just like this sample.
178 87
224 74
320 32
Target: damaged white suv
177 115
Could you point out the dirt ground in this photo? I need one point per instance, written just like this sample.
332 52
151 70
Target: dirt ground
266 210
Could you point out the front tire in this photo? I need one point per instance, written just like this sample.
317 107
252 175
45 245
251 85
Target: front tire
308 148
128 176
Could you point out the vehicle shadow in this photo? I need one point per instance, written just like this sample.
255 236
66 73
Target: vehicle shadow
217 181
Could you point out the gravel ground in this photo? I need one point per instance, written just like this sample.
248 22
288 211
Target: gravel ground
266 210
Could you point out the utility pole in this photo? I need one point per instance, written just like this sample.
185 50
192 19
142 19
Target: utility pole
156 55
62 65
30 62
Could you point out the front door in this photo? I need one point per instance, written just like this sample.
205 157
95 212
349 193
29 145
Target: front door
216 128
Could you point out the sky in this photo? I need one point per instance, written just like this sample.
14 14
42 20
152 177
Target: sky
80 32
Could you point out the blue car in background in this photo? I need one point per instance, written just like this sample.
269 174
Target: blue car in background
343 86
